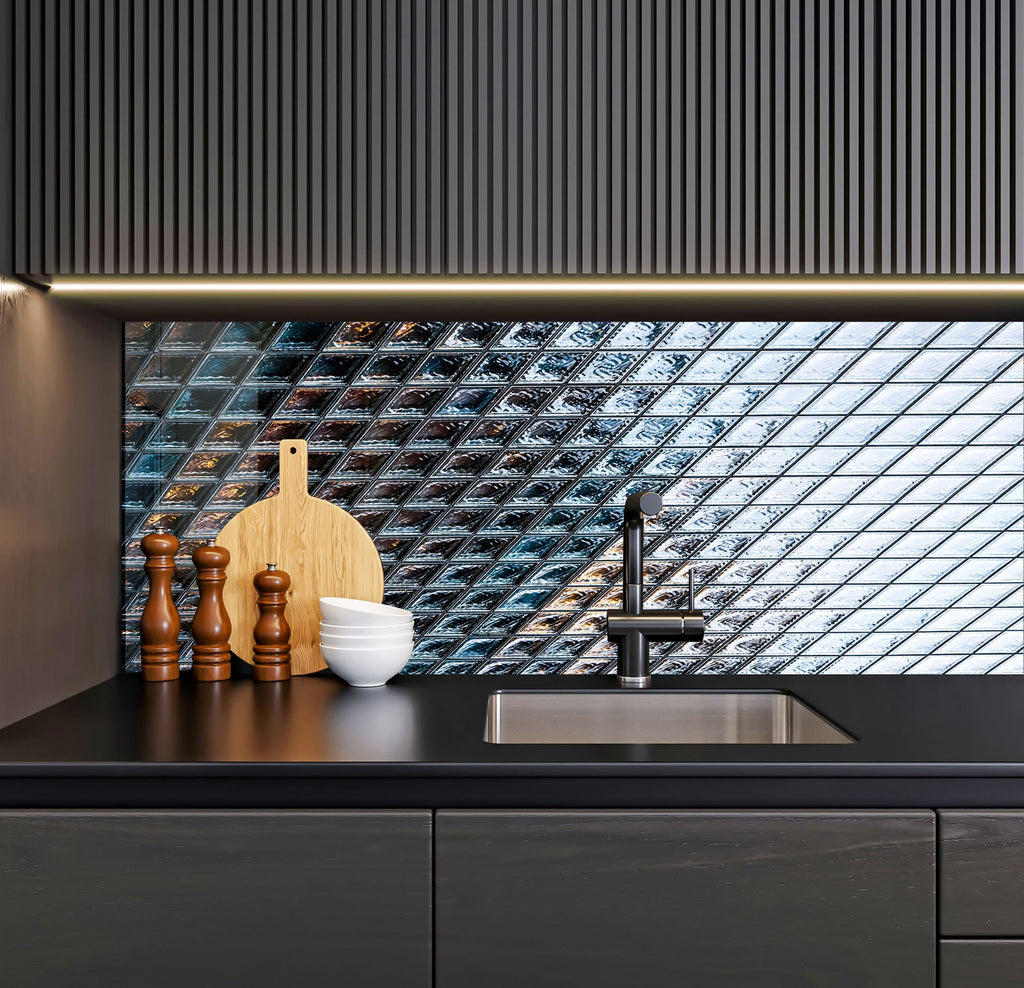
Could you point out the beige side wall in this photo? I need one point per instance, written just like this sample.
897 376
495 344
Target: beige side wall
60 411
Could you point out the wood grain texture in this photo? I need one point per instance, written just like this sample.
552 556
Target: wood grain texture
981 963
261 899
981 864
745 898
322 547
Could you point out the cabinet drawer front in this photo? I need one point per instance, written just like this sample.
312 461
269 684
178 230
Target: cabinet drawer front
981 873
981 963
168 899
752 899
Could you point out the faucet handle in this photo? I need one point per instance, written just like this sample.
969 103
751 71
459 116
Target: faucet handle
693 604
643 503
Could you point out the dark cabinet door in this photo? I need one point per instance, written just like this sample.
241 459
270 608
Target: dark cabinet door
981 854
981 963
177 899
605 898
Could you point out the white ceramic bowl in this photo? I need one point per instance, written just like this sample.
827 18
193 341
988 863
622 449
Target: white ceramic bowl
346 610
361 666
367 641
399 627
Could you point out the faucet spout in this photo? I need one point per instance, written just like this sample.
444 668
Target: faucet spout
632 628
637 505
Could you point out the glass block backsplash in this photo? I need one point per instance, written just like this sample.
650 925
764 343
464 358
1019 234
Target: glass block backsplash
849 495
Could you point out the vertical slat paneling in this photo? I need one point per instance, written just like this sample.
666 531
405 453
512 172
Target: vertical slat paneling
516 136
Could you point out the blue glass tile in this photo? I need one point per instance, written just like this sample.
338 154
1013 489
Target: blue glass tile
660 367
155 401
385 368
847 492
413 401
607 367
716 365
552 368
442 367
303 336
166 368
747 335
284 369
771 365
579 335
497 368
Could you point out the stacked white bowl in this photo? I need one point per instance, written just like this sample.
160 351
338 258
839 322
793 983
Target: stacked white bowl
362 642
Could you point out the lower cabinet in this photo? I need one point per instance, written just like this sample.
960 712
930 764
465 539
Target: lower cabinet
981 963
613 898
175 899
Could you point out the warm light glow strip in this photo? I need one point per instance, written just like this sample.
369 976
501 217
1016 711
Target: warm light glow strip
10 287
440 285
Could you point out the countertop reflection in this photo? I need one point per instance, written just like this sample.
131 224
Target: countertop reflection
307 720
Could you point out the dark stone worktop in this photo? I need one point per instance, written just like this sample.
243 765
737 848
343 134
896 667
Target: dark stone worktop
942 741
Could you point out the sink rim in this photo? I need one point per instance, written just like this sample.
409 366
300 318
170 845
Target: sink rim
493 717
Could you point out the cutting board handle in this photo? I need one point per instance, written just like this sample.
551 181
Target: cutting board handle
294 469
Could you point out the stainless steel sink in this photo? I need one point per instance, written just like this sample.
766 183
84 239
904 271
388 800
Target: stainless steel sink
655 717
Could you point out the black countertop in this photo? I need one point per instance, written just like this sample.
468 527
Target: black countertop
937 741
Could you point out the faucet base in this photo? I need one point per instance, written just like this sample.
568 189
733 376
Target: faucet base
635 682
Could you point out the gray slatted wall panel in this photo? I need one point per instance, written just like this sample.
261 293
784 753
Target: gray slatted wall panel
515 136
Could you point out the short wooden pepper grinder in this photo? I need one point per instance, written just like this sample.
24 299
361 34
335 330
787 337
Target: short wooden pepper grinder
272 651
211 627
160 624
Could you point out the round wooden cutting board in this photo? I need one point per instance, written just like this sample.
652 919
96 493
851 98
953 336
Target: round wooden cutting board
325 551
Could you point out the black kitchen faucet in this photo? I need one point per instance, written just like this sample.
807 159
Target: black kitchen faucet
632 628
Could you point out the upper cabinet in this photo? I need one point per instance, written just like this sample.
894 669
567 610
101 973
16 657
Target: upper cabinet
515 136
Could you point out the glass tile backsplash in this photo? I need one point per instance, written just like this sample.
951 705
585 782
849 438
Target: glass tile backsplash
849 495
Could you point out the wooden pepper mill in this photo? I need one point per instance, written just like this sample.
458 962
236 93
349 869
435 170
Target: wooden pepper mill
160 624
271 652
211 627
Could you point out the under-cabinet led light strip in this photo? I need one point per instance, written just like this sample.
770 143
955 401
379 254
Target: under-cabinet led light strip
542 286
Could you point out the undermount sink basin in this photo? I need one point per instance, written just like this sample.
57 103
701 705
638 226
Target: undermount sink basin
655 717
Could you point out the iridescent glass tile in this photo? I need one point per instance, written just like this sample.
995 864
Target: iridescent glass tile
252 336
150 401
823 515
152 465
575 400
309 401
413 401
141 335
599 431
471 335
303 336
224 368
337 433
541 491
552 368
467 401
747 335
166 368
607 367
244 401
497 368
521 401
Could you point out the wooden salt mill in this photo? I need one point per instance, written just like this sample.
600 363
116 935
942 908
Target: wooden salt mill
211 627
271 652
160 624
